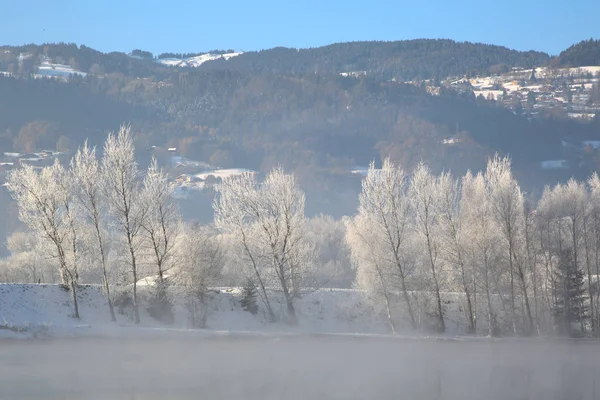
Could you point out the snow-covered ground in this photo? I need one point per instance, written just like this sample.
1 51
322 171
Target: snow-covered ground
48 69
195 61
47 309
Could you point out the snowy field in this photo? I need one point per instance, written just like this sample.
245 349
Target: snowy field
50 70
45 310
297 367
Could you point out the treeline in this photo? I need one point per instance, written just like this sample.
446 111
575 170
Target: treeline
405 60
584 53
418 238
418 242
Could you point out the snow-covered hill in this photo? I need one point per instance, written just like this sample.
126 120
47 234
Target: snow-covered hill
195 61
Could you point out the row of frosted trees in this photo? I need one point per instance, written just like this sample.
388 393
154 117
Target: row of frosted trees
106 220
102 220
426 250
433 240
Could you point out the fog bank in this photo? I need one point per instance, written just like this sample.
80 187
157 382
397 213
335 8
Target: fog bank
299 367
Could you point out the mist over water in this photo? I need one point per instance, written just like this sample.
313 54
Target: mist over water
298 368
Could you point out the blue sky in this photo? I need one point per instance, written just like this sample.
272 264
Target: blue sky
186 26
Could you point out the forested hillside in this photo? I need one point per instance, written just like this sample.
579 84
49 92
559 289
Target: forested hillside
289 107
583 53
404 60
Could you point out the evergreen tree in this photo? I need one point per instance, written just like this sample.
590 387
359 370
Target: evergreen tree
160 306
249 294
570 307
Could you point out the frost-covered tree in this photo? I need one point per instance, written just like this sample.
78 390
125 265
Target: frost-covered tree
92 205
235 216
267 219
532 256
327 236
574 205
593 221
452 241
570 226
199 267
27 263
160 230
480 240
570 307
122 188
40 196
506 202
161 227
378 237
425 197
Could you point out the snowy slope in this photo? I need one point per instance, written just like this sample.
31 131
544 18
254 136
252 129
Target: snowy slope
195 61
48 308
50 70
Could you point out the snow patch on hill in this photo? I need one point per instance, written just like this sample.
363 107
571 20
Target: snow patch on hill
48 69
195 61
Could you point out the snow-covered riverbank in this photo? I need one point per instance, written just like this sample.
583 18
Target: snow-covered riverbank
28 310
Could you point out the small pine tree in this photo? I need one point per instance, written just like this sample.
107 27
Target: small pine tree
249 294
160 306
570 305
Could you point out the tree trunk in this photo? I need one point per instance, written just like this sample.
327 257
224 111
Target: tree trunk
411 313
589 277
491 316
111 309
74 296
512 288
471 328
289 301
442 324
532 270
270 311
387 301
521 276
136 310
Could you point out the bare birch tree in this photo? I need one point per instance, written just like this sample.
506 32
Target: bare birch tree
480 241
199 267
378 236
40 197
92 203
235 216
161 227
423 193
123 191
506 201
273 211
452 242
